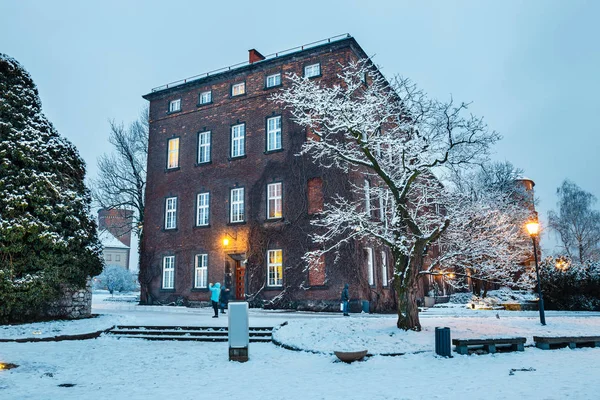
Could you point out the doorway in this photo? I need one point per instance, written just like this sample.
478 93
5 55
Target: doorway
239 275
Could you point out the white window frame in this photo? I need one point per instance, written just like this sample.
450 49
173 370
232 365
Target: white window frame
201 271
238 140
384 268
238 89
203 209
370 270
204 143
175 105
168 275
171 213
367 197
117 257
274 133
273 80
205 97
275 194
275 274
236 209
173 162
312 70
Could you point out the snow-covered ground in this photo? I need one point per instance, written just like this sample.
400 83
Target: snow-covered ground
136 369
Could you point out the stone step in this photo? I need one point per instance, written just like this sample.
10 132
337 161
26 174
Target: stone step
189 328
181 333
189 338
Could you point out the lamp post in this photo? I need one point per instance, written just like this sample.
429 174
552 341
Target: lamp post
533 229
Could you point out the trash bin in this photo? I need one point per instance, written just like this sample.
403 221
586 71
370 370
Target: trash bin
365 306
442 342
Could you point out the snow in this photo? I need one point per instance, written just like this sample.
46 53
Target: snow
109 240
113 368
61 327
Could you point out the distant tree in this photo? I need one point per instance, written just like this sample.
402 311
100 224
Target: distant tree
576 223
121 180
47 237
115 278
396 137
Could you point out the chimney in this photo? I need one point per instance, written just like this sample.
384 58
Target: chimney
254 56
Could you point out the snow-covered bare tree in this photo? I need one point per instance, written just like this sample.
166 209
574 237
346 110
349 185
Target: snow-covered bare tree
486 240
396 136
577 223
121 180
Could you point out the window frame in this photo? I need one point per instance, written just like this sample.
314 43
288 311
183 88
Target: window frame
267 132
367 188
171 102
267 86
165 270
206 207
232 203
200 102
280 197
200 146
166 214
278 279
304 74
118 257
370 266
237 84
231 141
176 166
203 268
384 269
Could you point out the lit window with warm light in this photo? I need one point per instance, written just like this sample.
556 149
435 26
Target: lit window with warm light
238 89
173 153
274 201
275 268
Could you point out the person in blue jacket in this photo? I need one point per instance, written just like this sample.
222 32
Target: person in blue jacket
215 292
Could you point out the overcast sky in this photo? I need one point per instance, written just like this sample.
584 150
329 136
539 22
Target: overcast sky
531 68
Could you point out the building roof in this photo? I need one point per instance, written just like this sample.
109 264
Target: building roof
246 65
109 240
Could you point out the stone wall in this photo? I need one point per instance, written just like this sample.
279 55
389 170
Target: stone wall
73 304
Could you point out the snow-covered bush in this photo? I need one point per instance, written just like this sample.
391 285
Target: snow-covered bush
115 278
47 237
570 285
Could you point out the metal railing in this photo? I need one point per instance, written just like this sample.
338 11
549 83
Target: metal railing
242 64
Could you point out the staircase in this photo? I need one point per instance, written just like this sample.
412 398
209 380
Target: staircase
187 333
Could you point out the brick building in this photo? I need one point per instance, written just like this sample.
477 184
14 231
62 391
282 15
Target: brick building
228 200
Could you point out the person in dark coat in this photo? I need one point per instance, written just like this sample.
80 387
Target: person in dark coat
345 300
224 299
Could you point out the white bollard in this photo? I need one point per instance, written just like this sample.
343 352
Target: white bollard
239 331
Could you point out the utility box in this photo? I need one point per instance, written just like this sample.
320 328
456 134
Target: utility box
239 331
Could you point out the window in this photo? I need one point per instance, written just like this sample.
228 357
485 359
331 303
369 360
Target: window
315 195
312 70
205 97
237 205
370 271
171 213
364 76
273 80
204 147
175 105
173 153
202 212
367 197
117 257
238 89
382 204
274 209
238 138
274 268
200 271
274 133
168 278
384 268
108 257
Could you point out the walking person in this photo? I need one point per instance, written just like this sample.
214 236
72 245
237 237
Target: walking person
224 299
215 293
345 300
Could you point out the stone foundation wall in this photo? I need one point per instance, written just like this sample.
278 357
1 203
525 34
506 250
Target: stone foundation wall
73 304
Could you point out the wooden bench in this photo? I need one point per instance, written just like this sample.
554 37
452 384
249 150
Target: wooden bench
547 342
489 345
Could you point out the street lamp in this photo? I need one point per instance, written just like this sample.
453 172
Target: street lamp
533 228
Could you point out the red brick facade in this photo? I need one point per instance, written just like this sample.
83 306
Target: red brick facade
245 255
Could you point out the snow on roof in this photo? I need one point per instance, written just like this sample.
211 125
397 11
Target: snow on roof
109 240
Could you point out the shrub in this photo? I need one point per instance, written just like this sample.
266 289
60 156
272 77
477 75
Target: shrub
115 278
569 285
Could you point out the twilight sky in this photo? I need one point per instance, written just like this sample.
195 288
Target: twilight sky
530 67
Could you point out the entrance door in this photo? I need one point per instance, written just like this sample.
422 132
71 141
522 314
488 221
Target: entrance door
240 280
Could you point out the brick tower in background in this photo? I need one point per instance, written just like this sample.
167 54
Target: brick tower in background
118 222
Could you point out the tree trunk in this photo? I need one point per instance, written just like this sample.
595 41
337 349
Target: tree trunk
407 286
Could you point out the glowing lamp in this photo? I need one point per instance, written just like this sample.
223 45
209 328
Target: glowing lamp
533 228
226 242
